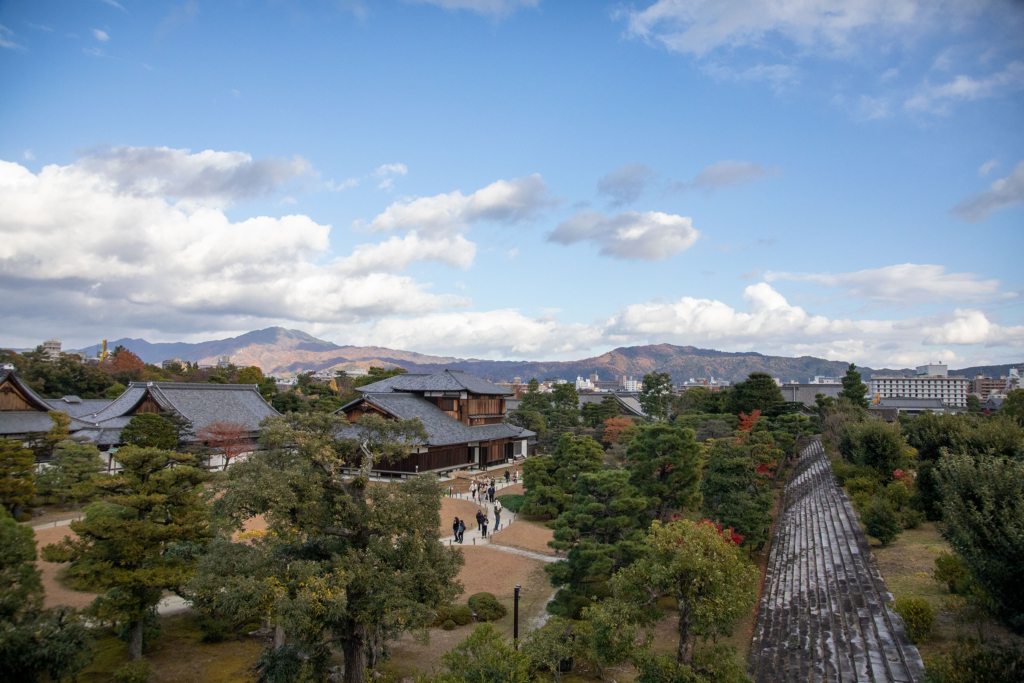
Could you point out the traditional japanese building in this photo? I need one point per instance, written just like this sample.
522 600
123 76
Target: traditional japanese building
464 417
24 414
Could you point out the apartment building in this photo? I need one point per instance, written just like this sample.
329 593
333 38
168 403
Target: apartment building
931 381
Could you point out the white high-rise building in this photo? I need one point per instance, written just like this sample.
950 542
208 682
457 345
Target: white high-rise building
931 381
51 349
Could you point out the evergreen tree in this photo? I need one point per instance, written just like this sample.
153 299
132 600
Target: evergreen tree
734 494
656 397
550 482
70 475
149 430
701 570
602 531
664 465
854 390
33 641
342 561
877 445
139 539
58 432
17 479
758 392
565 408
880 520
483 657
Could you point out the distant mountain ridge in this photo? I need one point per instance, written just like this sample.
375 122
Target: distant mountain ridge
279 351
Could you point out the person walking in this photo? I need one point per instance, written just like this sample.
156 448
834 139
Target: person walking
455 528
497 515
472 490
490 493
462 529
508 476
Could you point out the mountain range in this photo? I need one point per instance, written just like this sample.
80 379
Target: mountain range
279 351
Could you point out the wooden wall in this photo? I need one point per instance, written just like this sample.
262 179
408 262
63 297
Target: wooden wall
12 399
148 405
435 459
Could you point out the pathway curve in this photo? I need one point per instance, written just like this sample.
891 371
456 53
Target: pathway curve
824 612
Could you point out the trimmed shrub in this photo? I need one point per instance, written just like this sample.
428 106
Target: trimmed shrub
448 625
214 630
513 502
24 517
918 616
881 521
951 570
898 494
973 663
138 671
487 607
460 614
911 518
857 485
861 501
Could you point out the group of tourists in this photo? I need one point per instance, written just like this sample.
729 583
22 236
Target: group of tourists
484 491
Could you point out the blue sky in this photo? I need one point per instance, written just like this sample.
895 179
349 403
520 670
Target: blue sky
518 179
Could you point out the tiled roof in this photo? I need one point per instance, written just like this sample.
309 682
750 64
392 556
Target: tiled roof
201 404
446 380
77 407
442 429
17 422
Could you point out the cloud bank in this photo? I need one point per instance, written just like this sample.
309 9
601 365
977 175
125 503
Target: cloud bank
649 236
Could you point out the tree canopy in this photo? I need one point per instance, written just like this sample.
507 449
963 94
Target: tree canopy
657 395
854 390
664 465
758 392
149 430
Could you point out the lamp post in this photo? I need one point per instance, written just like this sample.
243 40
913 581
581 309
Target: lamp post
515 620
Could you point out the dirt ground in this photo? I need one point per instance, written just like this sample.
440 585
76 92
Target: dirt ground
532 536
493 571
55 594
456 507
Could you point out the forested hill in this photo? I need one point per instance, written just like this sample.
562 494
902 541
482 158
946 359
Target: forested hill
280 351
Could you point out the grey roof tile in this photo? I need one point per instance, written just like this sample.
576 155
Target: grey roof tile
446 380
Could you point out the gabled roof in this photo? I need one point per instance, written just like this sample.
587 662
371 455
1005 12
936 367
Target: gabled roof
628 403
442 429
446 380
17 422
201 404
76 407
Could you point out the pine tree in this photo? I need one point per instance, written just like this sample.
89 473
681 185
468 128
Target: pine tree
139 539
734 495
664 466
602 531
58 432
33 641
70 475
550 482
758 392
150 430
342 561
854 389
656 397
17 480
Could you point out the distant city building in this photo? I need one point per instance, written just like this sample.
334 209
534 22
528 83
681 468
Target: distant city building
584 384
710 383
807 393
931 382
51 349
1013 380
984 386
822 379
171 362
223 361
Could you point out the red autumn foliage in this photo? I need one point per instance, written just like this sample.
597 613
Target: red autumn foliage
900 475
230 438
728 534
125 360
747 422
613 427
762 468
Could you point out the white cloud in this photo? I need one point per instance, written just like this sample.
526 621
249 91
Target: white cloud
113 3
872 108
494 8
986 167
344 184
889 74
512 253
778 75
626 184
7 39
907 283
101 36
77 245
835 26
398 253
92 52
208 177
650 236
388 172
1003 192
28 155
505 201
726 174
937 98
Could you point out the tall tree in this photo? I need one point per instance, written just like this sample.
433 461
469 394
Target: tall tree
230 438
657 395
550 482
249 375
565 408
33 641
734 494
701 570
758 392
58 432
983 515
664 465
149 430
854 389
139 539
354 564
602 531
70 475
17 478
